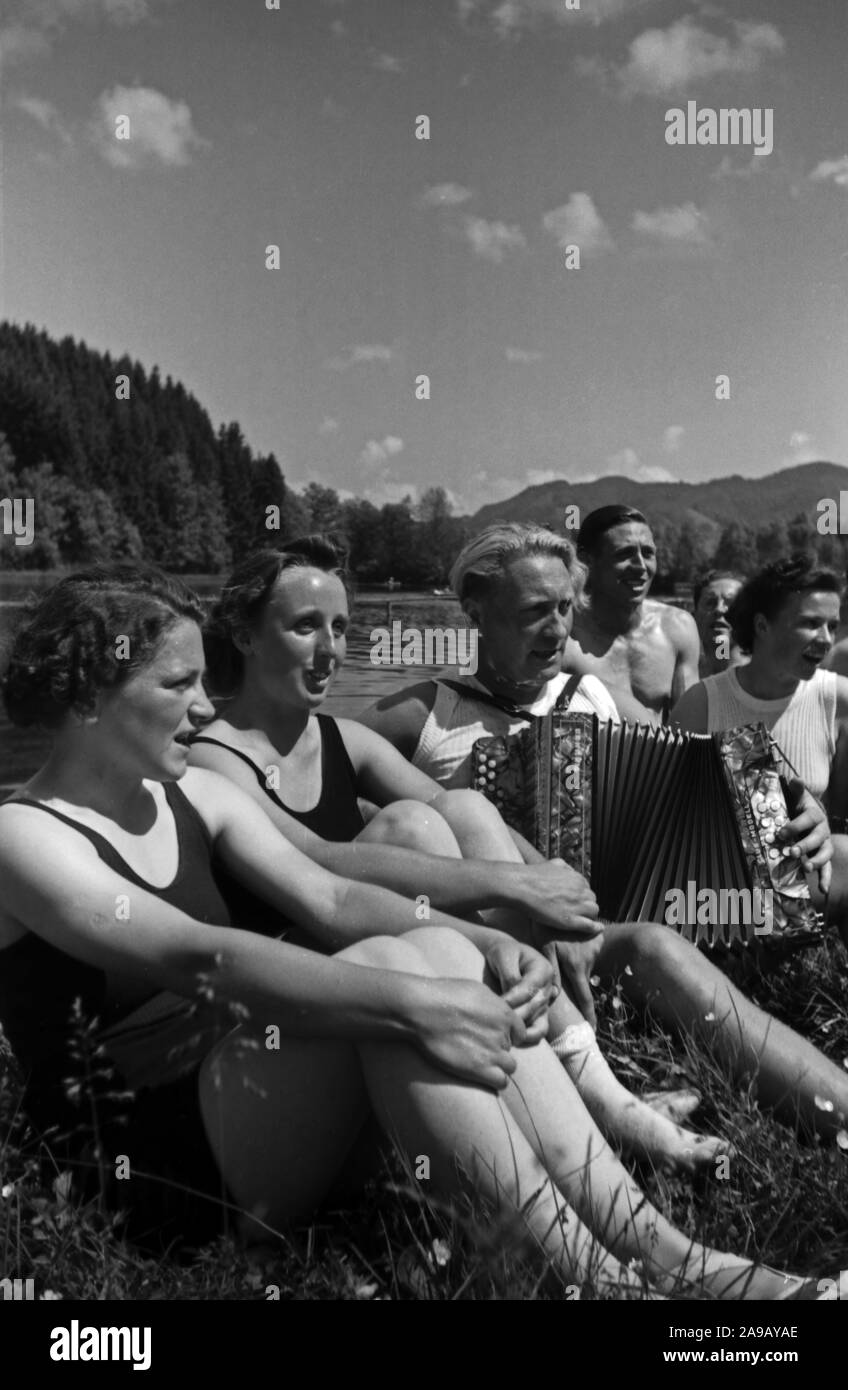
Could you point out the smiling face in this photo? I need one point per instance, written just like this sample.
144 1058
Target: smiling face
798 638
623 565
525 620
711 613
150 717
299 642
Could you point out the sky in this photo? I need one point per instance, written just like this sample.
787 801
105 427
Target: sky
252 127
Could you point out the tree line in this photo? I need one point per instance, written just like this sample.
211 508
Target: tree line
137 470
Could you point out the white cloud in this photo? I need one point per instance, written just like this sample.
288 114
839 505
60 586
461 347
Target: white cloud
492 240
728 170
627 463
835 170
391 490
510 17
521 355
672 438
328 426
33 26
386 62
377 452
579 222
360 354
662 61
683 226
49 12
46 115
161 130
444 195
803 448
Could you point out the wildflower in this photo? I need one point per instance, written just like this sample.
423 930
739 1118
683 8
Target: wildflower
439 1253
49 1295
7 1189
823 1104
842 1140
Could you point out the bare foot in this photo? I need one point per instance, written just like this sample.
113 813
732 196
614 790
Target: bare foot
649 1135
676 1106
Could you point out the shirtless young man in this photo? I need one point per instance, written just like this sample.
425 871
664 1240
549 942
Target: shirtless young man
632 643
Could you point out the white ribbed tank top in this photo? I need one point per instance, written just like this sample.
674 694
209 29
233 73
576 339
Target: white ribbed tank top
803 723
456 722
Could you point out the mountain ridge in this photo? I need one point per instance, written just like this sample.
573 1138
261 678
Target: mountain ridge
778 496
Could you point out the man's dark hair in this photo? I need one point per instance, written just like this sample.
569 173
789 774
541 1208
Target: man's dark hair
601 520
712 577
767 591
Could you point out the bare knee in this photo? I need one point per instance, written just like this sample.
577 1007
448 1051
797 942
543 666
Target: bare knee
648 955
447 951
413 825
465 805
386 953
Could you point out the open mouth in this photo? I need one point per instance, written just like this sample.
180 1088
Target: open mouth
814 658
320 679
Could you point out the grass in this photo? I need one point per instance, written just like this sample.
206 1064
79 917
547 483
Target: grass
785 1200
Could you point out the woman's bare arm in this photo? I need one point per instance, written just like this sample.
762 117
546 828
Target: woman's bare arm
451 885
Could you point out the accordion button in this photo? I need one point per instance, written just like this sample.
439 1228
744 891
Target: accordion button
773 853
491 762
769 838
774 806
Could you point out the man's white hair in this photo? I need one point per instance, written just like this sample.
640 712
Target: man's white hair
488 554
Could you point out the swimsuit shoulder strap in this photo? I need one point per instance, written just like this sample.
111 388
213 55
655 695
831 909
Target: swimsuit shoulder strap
237 753
106 851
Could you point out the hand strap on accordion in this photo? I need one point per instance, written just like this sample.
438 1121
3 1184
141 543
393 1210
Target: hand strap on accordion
773 744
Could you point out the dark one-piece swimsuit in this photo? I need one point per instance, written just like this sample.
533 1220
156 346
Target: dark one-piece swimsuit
49 1001
335 816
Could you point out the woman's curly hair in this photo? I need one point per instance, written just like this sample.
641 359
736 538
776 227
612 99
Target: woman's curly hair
767 591
67 648
245 597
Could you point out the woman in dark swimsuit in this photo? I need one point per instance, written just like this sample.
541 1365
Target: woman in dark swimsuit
108 898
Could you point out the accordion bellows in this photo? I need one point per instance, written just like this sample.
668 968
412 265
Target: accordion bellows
666 826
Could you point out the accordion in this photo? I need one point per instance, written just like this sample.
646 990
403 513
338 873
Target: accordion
666 826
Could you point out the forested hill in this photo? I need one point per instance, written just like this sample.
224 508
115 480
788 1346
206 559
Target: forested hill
790 493
147 475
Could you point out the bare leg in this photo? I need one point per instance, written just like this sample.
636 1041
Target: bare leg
550 1114
283 1122
685 990
465 823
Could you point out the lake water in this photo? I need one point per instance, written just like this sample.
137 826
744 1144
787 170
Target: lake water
358 685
